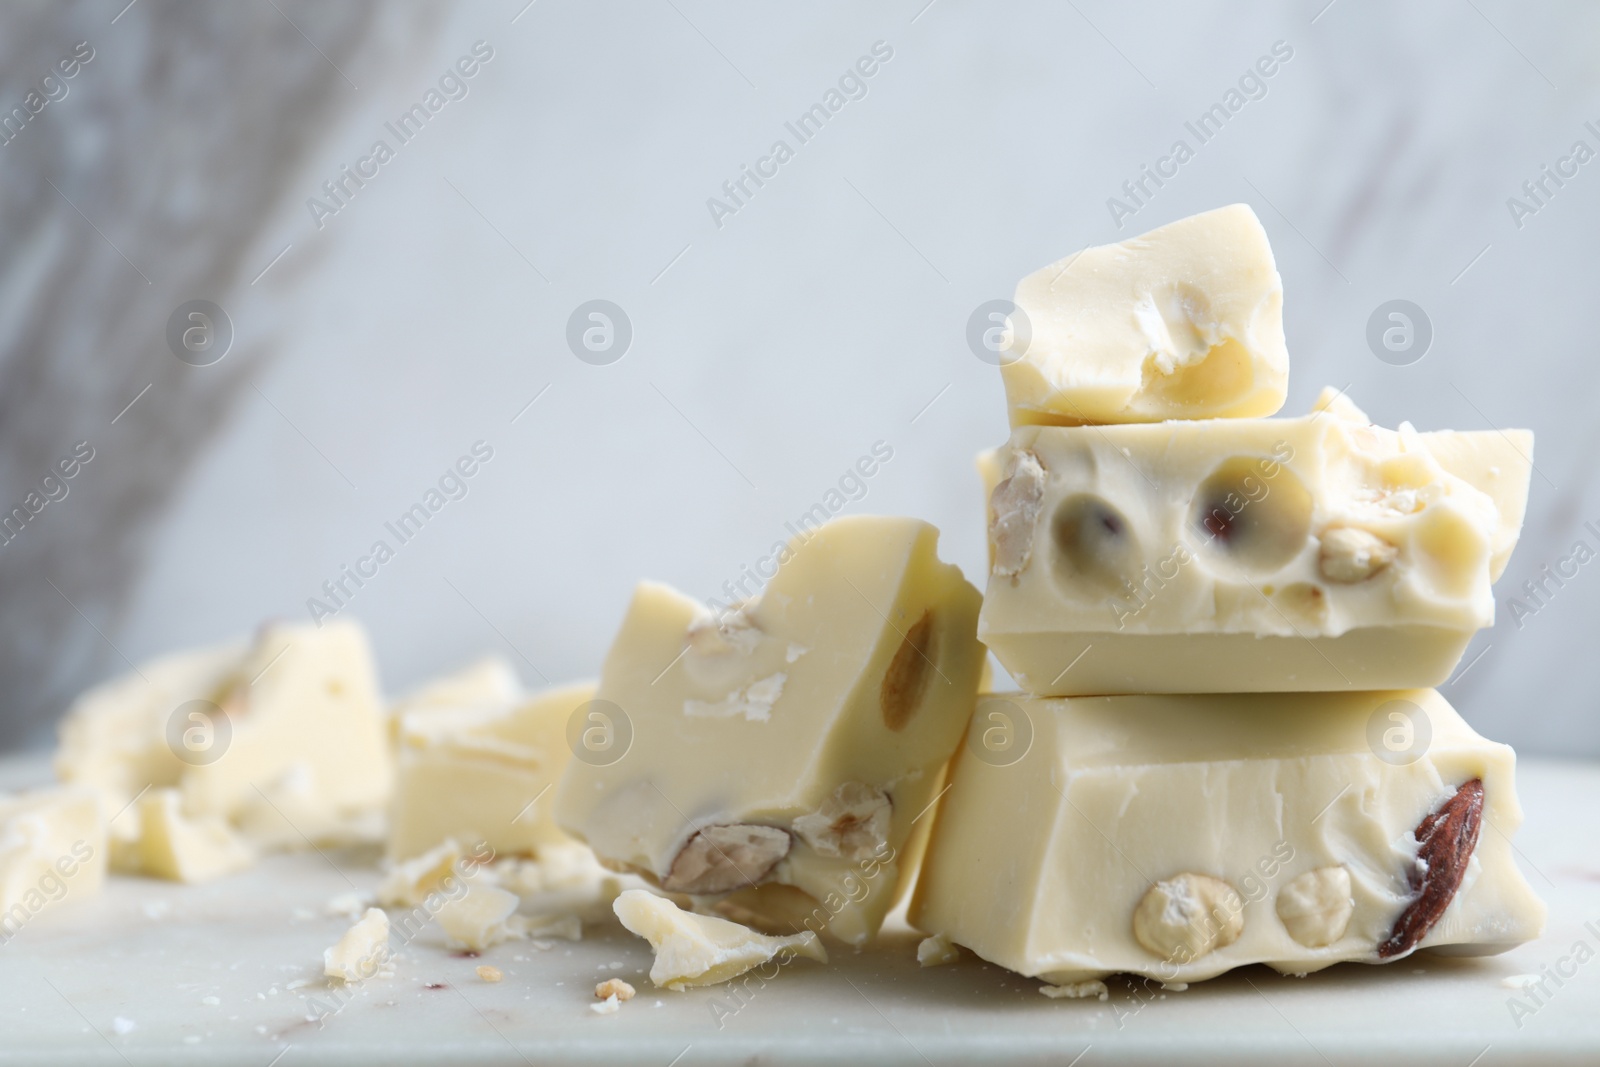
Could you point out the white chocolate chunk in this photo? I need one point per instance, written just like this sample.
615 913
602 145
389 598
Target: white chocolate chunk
412 881
52 848
226 725
1277 829
113 737
810 774
295 683
186 849
483 773
700 950
1316 907
363 951
1250 555
483 916
1183 322
936 951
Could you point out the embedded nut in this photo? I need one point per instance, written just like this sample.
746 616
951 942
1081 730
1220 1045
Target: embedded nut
853 823
1188 916
1252 514
1350 555
907 676
1316 907
1093 541
721 635
1446 839
1013 511
720 859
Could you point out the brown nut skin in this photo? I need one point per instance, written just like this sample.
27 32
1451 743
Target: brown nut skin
1447 838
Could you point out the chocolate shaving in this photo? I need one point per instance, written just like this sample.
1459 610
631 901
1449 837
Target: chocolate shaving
1446 839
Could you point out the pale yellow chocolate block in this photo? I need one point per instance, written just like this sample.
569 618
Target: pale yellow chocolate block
114 738
483 773
412 881
52 848
283 736
304 701
1183 322
1247 555
700 950
936 951
184 849
482 917
1180 836
790 744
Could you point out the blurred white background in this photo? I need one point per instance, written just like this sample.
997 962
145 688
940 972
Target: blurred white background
769 352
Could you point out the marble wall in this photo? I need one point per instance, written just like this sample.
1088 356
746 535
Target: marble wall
779 336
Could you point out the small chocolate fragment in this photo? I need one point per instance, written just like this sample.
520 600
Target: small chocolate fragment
1447 837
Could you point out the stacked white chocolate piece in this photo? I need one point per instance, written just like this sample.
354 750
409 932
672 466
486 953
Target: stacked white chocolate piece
1151 535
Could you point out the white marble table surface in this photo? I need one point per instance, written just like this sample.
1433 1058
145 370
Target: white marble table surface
153 953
